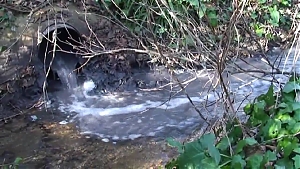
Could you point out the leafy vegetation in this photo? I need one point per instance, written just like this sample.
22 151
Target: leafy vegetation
6 18
14 165
167 17
6 21
269 138
197 33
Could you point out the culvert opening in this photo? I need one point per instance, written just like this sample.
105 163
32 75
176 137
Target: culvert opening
60 56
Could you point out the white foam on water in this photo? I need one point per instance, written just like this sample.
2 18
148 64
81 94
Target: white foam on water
83 110
96 107
134 136
63 122
129 116
34 118
89 86
106 140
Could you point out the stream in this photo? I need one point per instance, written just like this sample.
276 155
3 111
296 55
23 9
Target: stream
67 133
165 110
118 118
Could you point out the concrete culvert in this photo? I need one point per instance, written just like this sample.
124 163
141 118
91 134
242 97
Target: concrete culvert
58 52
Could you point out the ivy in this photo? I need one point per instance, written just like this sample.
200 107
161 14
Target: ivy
274 145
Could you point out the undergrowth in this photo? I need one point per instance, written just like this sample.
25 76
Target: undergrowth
263 15
207 19
196 32
6 18
6 21
14 165
269 138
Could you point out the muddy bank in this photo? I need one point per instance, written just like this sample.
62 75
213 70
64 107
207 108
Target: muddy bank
50 145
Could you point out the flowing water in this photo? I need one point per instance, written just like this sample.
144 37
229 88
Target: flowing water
64 66
165 112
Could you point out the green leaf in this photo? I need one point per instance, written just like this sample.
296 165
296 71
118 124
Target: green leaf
171 164
290 87
18 160
215 154
275 15
269 96
259 30
174 143
208 141
288 97
212 18
271 156
193 2
235 132
282 105
259 107
297 150
248 108
272 128
270 36
197 150
285 163
285 118
250 141
295 105
254 15
296 161
191 156
208 163
188 40
287 109
291 123
285 2
295 128
279 167
201 10
262 1
255 160
288 144
297 115
2 48
242 143
238 162
283 133
259 111
224 143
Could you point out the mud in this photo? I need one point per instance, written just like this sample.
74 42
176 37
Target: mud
47 144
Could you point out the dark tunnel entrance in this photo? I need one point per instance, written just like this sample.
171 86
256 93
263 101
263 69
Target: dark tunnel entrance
67 41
